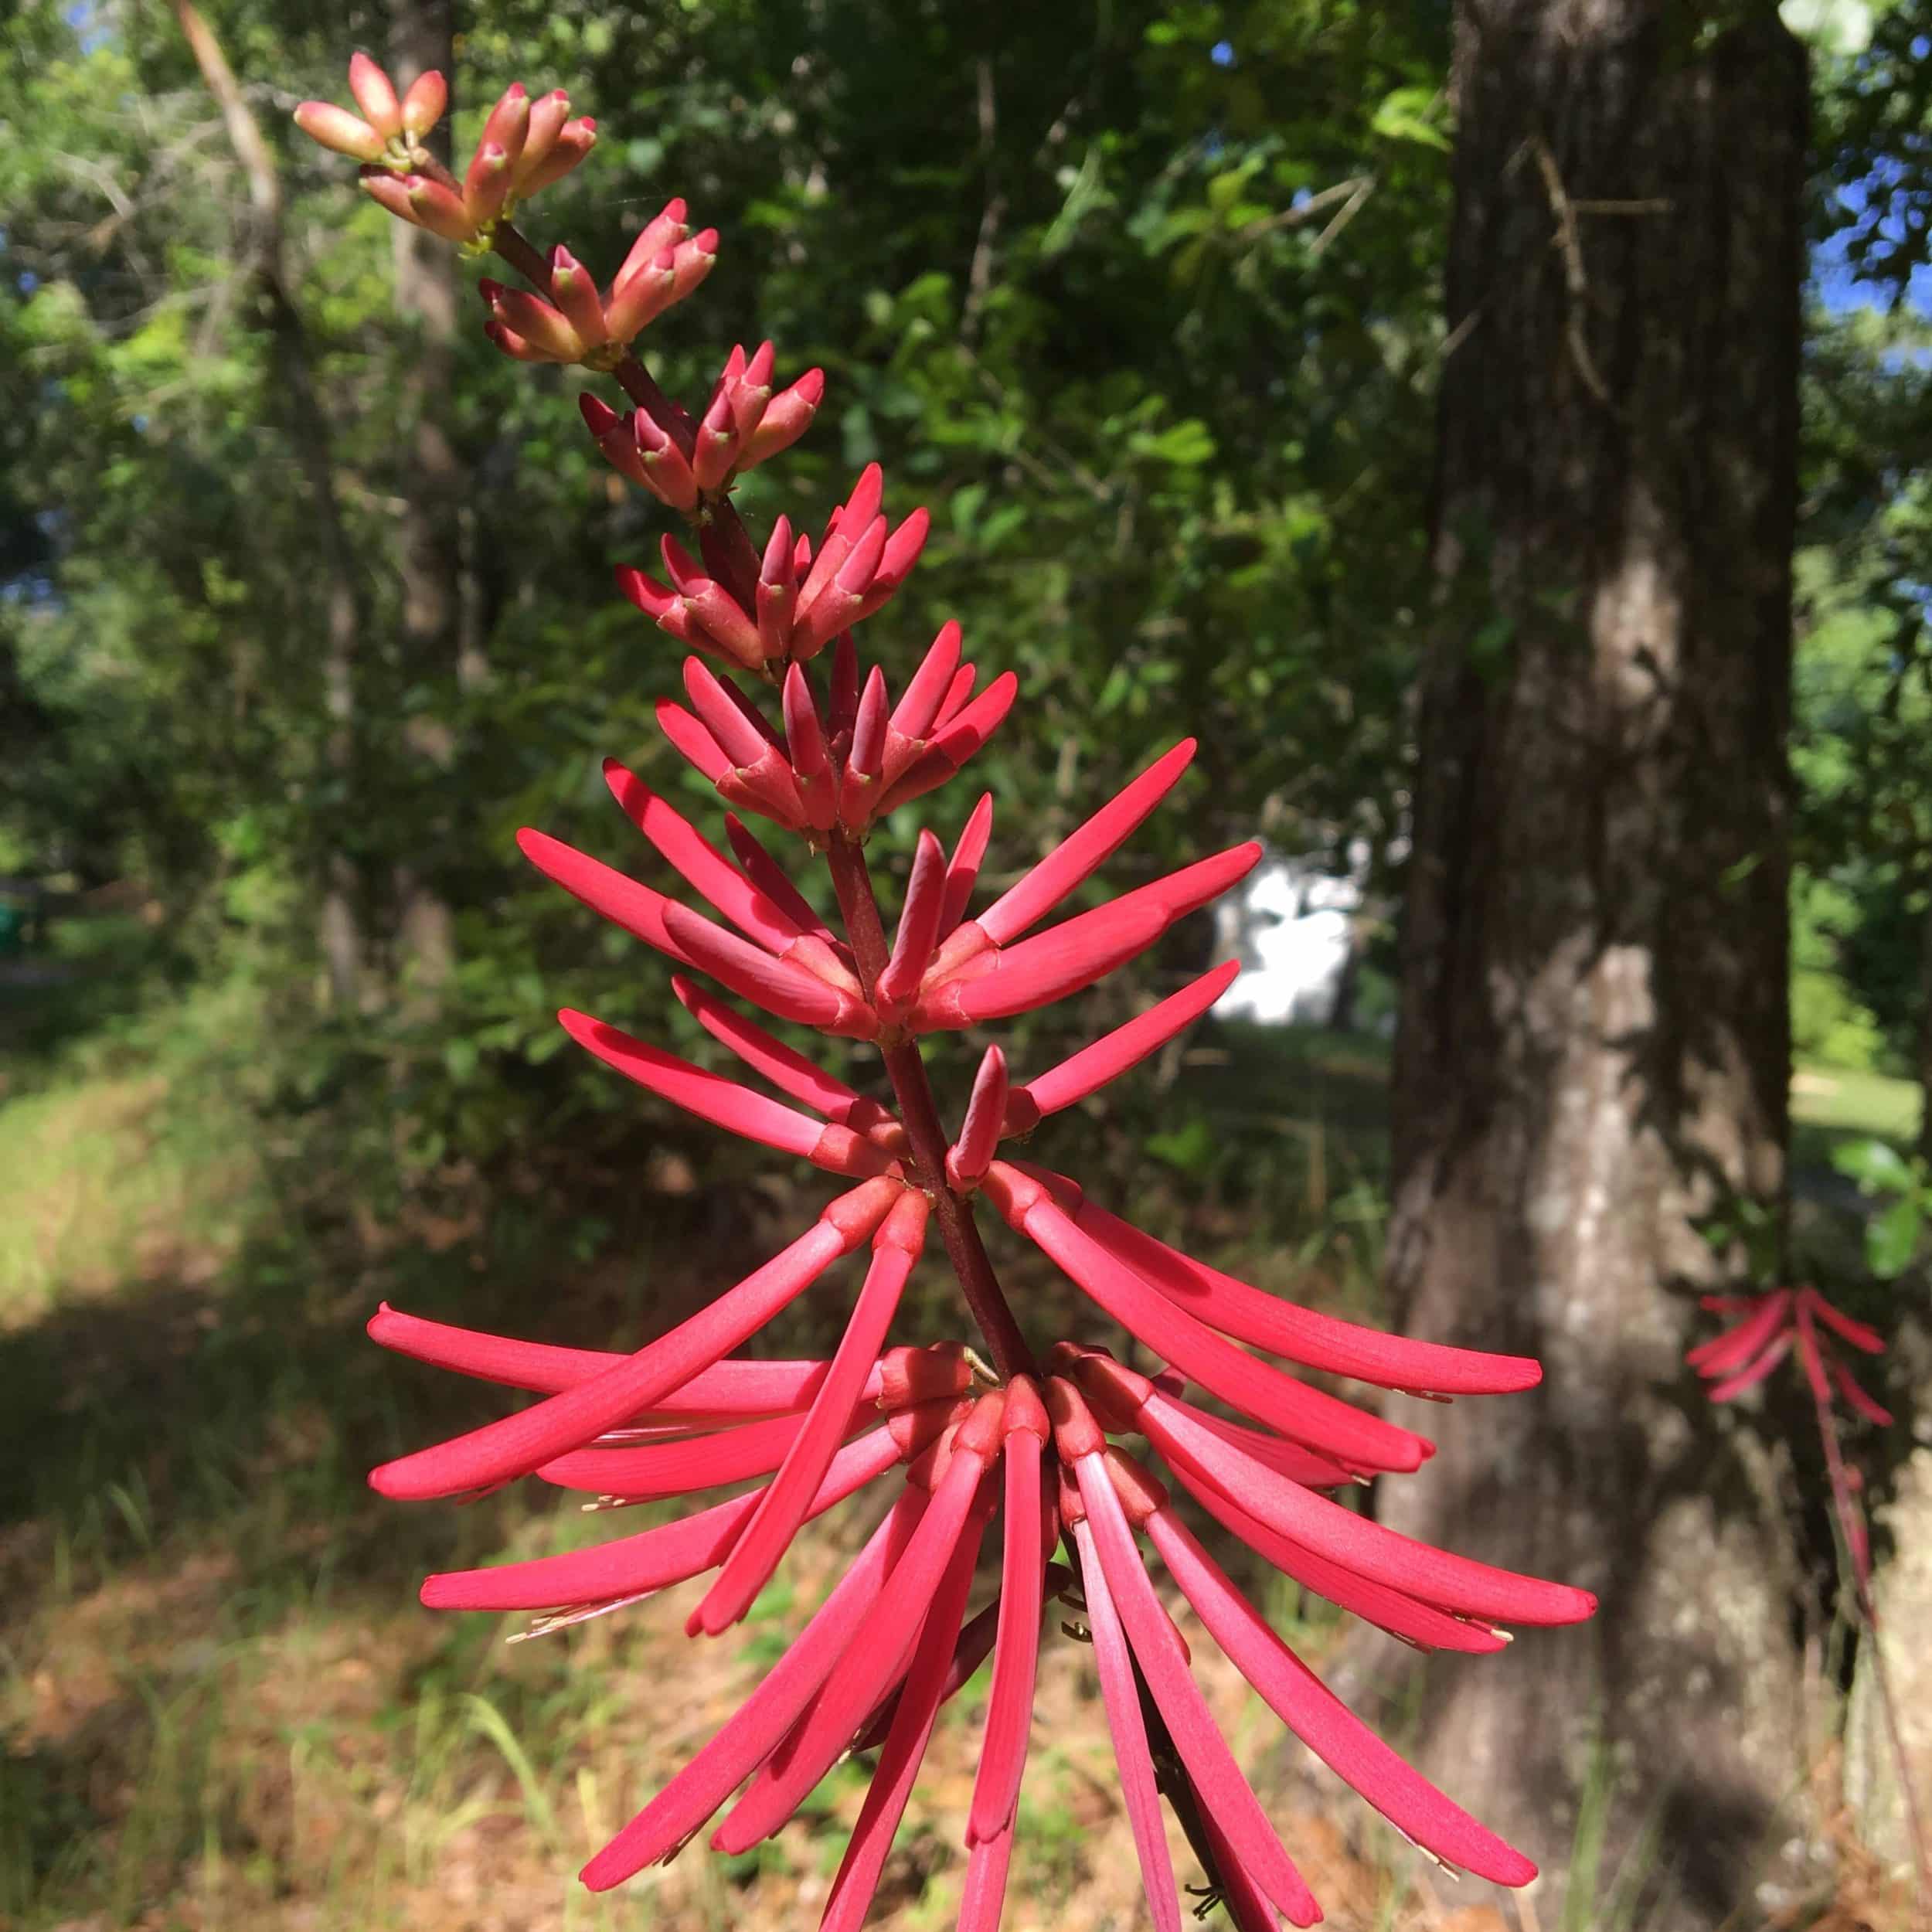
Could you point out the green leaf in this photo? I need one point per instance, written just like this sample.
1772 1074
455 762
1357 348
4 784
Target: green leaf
1891 1240
1190 1148
1188 444
1402 116
1877 1166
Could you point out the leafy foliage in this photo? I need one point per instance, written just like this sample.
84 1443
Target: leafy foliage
1141 303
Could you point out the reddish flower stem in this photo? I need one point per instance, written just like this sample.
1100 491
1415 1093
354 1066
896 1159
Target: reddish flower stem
905 1067
866 930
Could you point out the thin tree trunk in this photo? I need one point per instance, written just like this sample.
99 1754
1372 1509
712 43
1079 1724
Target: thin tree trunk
436 653
339 922
1925 1028
1594 1042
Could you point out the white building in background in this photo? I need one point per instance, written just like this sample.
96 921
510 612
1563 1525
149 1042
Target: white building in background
1292 925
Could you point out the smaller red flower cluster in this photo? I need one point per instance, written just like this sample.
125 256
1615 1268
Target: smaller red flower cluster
1767 1328
805 598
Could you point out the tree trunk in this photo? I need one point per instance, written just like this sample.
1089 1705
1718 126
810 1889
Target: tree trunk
339 921
438 658
1592 1056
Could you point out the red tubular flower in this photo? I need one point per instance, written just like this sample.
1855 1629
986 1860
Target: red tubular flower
1226 1795
760 1723
1009 1715
1119 1693
520 1443
857 1880
881 1644
824 758
896 1248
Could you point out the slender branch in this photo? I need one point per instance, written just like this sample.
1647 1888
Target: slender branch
852 880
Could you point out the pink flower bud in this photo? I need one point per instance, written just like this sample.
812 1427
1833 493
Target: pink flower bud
637 297
751 390
658 236
508 124
543 328
337 128
374 96
427 203
574 140
575 294
785 418
666 469
487 184
425 103
548 114
717 445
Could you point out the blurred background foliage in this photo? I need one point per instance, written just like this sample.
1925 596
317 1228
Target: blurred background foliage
1148 326
1141 301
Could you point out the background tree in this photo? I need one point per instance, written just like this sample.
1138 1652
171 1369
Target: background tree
1592 1057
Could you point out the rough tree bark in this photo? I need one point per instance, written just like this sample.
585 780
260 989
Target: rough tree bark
340 932
436 652
1594 1038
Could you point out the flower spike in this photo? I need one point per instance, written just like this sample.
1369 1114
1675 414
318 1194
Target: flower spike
951 1437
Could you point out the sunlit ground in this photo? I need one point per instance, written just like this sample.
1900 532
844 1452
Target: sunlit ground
222 1705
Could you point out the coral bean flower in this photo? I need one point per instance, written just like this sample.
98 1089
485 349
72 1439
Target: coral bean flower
1044 1444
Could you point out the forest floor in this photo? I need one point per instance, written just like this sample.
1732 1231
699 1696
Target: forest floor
220 1705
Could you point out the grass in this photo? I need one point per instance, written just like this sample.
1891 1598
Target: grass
1856 1103
220 1704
